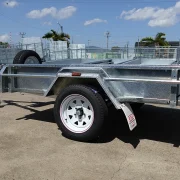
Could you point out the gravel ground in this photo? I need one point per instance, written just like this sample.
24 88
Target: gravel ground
32 147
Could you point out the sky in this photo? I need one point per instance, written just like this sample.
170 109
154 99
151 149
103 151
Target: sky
89 20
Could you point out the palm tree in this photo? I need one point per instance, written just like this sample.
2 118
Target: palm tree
159 40
57 36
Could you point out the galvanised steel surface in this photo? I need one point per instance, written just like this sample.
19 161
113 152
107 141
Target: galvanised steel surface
129 81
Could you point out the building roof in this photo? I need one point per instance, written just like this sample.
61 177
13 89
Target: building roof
174 43
171 43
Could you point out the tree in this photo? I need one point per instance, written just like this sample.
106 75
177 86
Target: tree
159 40
4 44
57 36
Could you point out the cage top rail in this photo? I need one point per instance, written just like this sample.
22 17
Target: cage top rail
106 66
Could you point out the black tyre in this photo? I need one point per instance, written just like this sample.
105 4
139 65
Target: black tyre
17 56
27 57
80 113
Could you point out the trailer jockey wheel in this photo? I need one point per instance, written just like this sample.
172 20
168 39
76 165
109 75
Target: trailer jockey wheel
80 112
27 57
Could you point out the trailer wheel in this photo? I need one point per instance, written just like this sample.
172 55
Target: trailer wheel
27 57
80 113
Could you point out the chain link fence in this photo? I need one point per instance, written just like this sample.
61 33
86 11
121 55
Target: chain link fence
59 51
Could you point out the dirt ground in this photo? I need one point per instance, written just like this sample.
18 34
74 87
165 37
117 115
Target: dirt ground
32 147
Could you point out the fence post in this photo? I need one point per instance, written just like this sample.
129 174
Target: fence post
6 55
178 55
34 47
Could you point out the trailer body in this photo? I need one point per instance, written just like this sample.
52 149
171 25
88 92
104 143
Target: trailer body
123 83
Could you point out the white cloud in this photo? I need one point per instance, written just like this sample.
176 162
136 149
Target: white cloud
157 16
52 11
66 12
37 14
93 21
48 23
10 4
4 38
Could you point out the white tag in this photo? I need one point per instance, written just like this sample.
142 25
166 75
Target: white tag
129 115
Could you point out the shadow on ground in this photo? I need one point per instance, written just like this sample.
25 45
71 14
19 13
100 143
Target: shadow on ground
154 123
46 115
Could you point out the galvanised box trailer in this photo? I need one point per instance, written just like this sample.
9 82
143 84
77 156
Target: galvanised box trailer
84 89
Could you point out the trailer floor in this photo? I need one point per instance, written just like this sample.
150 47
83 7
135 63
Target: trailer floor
32 147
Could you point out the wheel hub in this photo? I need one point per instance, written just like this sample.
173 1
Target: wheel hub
31 60
77 113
